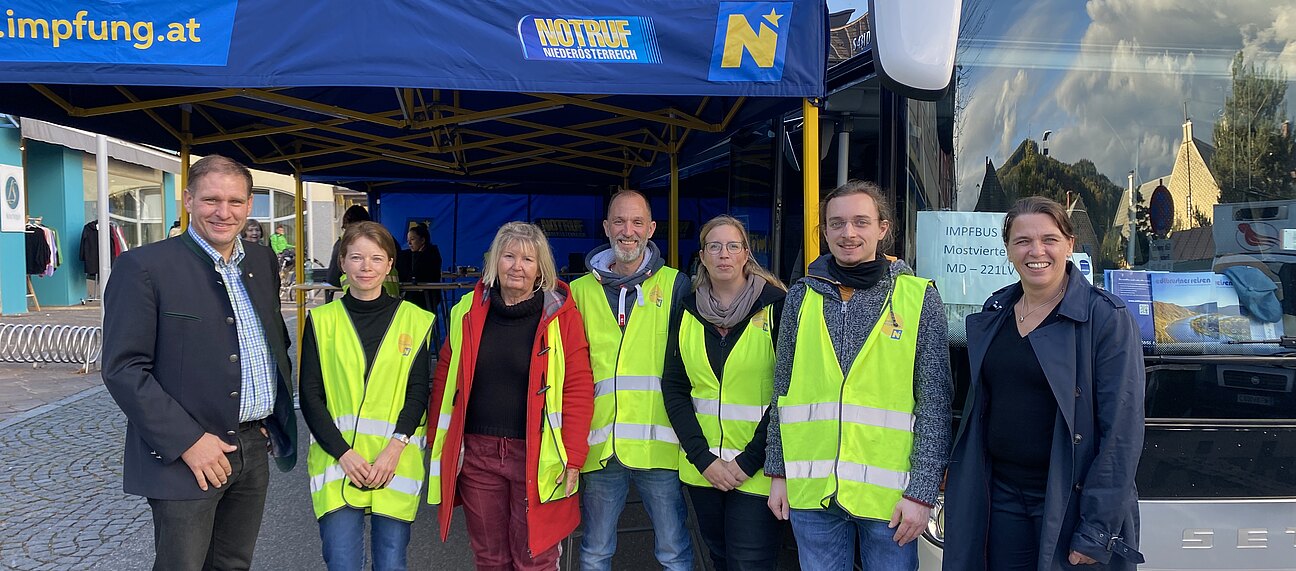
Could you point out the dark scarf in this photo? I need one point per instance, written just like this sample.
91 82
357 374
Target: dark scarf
860 276
520 311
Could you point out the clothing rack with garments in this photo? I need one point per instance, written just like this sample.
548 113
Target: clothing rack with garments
90 253
43 254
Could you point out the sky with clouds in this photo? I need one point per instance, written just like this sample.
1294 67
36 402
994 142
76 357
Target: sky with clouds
1110 78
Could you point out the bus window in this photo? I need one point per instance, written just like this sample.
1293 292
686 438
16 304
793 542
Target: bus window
1166 130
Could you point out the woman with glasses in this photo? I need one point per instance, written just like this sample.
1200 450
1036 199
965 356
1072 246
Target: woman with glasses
717 384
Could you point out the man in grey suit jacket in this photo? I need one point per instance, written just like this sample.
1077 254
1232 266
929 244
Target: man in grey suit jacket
196 355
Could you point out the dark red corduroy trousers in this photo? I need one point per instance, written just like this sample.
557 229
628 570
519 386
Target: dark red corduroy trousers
493 487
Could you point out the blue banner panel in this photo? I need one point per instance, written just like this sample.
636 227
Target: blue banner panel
573 224
478 218
615 39
144 32
751 40
678 47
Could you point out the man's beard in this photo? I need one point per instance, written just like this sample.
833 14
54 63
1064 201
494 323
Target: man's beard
627 257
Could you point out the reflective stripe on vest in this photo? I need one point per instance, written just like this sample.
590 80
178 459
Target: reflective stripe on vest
729 408
365 411
553 455
849 436
630 419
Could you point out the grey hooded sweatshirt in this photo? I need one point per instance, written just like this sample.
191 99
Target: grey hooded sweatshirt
623 292
849 324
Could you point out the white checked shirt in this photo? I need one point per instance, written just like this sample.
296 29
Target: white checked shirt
257 397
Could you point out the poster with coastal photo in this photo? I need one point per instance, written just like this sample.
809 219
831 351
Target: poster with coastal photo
1202 307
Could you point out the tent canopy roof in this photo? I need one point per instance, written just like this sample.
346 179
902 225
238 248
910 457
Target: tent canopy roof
418 93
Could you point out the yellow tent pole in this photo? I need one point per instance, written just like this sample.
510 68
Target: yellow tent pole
299 264
185 138
674 203
810 178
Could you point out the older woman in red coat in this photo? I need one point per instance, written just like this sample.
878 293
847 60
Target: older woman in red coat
516 360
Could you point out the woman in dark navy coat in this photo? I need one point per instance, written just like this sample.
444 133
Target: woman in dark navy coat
1042 470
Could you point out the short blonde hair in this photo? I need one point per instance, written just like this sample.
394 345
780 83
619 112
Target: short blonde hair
530 236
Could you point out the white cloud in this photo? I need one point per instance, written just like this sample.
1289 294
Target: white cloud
1119 96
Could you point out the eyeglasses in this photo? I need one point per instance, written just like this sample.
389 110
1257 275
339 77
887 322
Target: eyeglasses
713 248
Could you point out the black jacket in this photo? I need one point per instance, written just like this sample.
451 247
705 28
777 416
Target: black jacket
1093 359
677 388
169 358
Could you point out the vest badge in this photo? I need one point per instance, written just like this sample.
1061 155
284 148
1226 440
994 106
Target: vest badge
406 344
655 295
891 326
761 320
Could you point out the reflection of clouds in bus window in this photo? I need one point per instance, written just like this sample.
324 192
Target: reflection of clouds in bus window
859 6
1110 78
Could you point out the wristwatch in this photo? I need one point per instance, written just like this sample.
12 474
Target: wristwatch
403 438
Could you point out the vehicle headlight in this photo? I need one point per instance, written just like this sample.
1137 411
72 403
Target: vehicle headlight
935 532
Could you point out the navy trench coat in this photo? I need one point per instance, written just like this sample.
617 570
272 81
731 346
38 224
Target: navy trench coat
1093 360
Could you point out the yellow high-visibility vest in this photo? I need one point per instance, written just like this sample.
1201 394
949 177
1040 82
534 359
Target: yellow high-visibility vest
729 409
849 436
553 456
630 419
365 410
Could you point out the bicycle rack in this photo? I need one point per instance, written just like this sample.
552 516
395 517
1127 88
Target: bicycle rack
39 344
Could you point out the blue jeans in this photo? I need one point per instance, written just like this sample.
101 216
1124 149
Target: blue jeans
342 532
603 497
826 542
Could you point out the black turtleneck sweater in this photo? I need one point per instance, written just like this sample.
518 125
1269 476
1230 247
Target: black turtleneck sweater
371 319
497 405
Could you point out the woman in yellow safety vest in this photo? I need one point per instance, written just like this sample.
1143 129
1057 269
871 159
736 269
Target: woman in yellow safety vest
364 391
718 379
513 396
860 437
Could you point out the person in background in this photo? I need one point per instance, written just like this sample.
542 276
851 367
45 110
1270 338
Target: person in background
364 391
514 395
1042 473
627 301
420 264
253 231
354 213
175 230
195 353
718 381
279 240
859 427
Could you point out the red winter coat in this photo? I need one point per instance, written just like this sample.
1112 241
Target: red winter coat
550 522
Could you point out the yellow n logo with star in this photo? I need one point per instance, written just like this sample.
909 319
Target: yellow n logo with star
751 41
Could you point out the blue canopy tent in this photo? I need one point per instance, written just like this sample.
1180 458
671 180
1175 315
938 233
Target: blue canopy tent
418 95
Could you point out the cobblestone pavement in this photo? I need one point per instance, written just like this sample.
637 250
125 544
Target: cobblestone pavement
61 504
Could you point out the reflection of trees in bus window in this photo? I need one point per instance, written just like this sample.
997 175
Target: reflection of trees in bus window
1194 100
